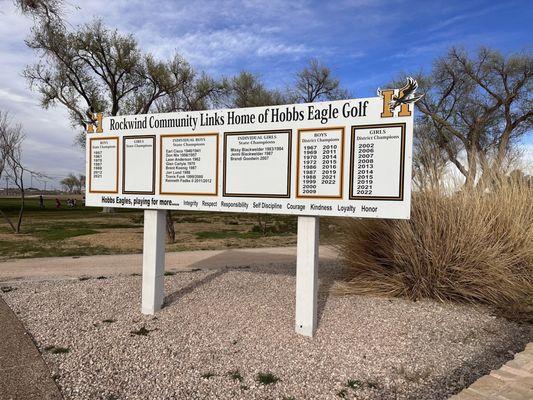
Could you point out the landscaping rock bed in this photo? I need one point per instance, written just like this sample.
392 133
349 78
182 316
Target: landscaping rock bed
229 334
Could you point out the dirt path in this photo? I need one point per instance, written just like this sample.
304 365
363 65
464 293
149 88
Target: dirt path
107 265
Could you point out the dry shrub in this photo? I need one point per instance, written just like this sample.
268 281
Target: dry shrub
470 246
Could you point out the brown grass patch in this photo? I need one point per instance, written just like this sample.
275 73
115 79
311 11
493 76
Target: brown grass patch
12 237
131 239
470 246
120 239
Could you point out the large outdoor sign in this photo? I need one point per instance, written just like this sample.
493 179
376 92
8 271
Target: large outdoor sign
340 158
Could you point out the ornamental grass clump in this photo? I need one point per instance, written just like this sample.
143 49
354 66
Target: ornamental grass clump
470 246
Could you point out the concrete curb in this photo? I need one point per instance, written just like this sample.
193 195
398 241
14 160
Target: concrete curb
513 381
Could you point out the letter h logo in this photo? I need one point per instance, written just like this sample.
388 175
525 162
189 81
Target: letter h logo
98 121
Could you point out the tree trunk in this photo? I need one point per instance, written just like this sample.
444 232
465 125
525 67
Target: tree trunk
262 220
503 151
21 211
472 168
171 233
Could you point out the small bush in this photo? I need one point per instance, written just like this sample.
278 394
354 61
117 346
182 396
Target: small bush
236 376
354 384
473 246
266 378
57 349
142 331
342 393
372 385
60 350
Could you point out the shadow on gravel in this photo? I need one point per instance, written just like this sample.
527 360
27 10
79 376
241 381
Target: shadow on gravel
328 272
175 296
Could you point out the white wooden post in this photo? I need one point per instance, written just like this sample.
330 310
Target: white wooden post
153 290
307 275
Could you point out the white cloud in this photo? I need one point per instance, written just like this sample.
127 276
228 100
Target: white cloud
8 96
229 45
465 15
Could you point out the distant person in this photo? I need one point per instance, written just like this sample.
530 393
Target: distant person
41 201
73 202
58 203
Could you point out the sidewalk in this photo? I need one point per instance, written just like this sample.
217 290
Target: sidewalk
126 264
23 373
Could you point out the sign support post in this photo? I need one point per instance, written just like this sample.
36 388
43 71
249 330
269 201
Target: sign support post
307 275
153 261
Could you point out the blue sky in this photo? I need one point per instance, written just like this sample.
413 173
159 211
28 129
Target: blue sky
366 43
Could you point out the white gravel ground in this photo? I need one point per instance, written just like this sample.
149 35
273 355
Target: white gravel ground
240 321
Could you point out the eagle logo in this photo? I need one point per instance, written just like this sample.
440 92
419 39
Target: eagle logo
90 114
406 94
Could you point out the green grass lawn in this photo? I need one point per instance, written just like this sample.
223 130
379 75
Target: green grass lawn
45 231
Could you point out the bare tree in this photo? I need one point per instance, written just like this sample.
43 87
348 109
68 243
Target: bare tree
11 138
315 82
478 106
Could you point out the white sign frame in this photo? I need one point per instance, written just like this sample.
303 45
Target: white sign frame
323 118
